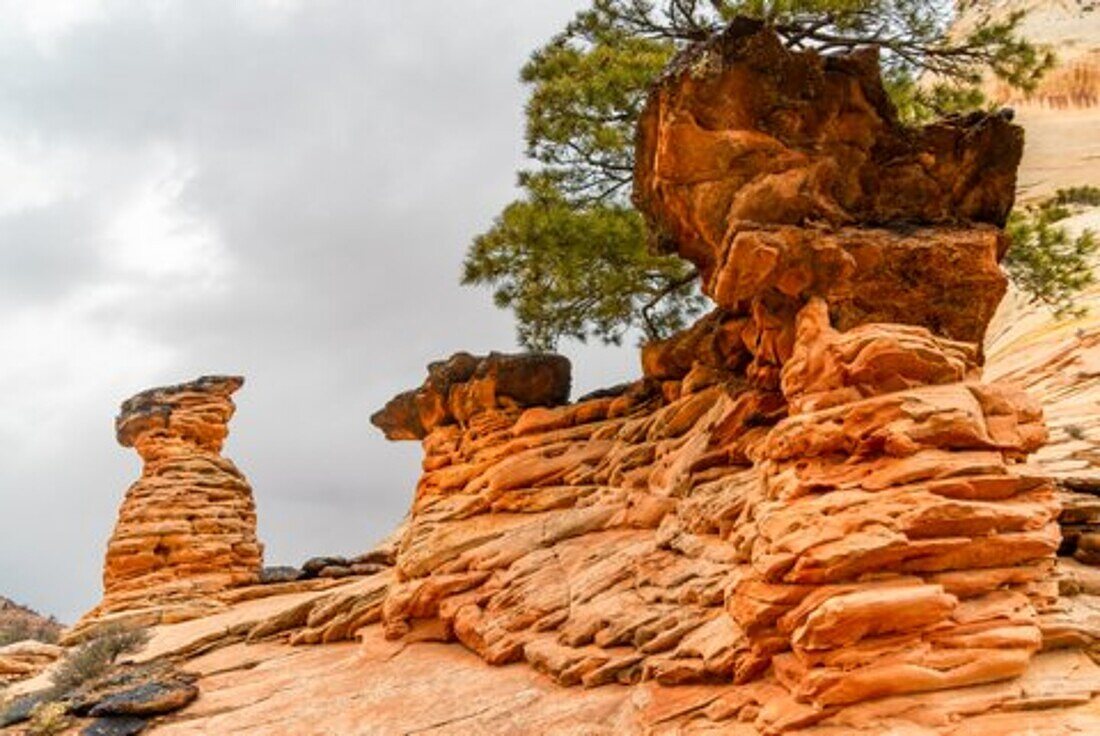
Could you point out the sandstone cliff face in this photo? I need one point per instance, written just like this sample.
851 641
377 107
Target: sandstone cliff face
187 527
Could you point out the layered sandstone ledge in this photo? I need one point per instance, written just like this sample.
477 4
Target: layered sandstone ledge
187 527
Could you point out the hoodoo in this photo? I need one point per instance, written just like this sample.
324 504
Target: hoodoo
187 527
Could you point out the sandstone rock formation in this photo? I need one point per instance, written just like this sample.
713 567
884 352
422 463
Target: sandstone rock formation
187 527
464 385
25 658
812 514
811 489
26 641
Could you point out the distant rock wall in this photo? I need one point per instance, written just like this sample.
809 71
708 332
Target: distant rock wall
187 527
1062 114
19 622
1069 27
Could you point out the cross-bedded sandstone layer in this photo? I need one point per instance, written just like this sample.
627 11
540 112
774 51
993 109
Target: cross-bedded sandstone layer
187 527
812 486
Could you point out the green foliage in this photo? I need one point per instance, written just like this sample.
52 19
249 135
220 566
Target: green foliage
570 256
93 658
1084 196
573 270
1044 260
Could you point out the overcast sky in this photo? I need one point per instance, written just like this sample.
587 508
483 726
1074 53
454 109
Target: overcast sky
278 189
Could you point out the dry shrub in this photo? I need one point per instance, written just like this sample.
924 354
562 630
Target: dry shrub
48 719
94 657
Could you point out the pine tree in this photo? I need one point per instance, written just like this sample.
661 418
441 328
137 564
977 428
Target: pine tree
570 257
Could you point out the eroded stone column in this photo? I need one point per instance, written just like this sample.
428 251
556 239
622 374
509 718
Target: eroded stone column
187 527
899 544
811 489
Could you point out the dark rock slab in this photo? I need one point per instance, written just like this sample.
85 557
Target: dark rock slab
147 699
20 709
312 567
280 574
115 726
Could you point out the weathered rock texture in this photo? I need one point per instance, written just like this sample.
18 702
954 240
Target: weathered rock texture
811 489
783 175
464 385
25 658
187 527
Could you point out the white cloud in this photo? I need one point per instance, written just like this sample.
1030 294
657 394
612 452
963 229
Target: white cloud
150 239
45 23
33 174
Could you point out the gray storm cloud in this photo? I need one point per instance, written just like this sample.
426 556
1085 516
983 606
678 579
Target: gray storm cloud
283 190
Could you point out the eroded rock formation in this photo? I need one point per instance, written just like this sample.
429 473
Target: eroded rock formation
812 487
187 527
811 515
464 385
25 658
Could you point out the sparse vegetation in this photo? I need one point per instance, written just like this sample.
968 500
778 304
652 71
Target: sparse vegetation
48 719
19 623
93 658
23 629
1083 196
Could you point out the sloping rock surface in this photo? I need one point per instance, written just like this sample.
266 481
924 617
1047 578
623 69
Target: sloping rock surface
1062 115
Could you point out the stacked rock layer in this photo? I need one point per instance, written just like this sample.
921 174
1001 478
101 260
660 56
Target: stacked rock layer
901 545
187 527
811 487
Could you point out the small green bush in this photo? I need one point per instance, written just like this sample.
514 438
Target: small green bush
1047 262
94 657
1087 196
